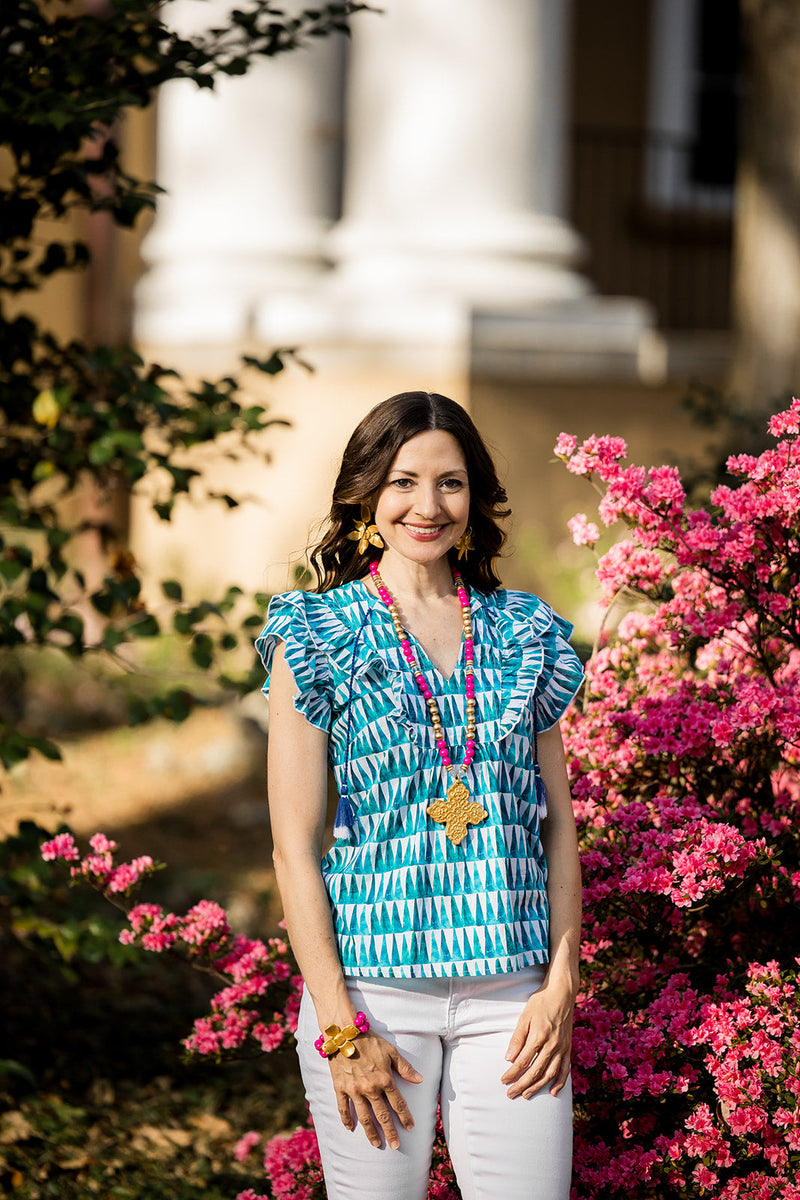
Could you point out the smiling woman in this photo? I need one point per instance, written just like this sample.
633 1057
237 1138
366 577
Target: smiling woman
371 459
438 938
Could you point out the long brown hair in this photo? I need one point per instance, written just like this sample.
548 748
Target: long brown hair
365 464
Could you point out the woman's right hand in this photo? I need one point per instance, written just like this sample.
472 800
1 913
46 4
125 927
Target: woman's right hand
366 1084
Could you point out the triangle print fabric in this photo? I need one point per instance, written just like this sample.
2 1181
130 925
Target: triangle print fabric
407 902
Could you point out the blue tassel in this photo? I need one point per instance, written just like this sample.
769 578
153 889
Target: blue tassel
541 792
343 821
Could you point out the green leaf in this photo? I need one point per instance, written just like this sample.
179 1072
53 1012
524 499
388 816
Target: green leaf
72 624
102 451
202 650
112 637
164 509
46 748
146 626
177 705
103 602
172 589
182 622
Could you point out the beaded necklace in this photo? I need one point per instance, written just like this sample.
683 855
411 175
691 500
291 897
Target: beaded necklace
458 810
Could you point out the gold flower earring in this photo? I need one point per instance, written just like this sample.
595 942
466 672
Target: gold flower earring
464 543
365 533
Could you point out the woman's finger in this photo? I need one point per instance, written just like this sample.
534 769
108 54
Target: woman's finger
383 1115
405 1069
401 1109
545 1070
345 1110
366 1121
563 1075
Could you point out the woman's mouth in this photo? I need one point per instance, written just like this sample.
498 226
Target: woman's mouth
423 533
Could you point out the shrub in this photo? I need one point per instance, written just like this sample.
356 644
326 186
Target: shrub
685 775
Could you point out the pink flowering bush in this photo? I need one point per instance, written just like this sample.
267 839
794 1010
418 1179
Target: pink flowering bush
292 1166
259 1001
685 762
260 994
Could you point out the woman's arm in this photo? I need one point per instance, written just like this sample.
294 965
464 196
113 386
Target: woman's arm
539 1050
297 785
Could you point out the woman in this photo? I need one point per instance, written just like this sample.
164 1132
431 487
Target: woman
438 937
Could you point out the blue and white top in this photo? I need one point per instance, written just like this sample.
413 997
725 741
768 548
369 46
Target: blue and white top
406 902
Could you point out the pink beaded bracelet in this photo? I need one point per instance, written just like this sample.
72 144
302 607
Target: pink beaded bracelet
335 1040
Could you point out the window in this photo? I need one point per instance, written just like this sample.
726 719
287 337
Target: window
693 104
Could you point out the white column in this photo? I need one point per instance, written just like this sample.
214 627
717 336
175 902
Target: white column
250 174
456 154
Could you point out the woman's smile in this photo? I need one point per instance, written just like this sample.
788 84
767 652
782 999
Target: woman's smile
423 532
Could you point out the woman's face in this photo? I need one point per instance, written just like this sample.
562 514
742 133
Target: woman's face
423 503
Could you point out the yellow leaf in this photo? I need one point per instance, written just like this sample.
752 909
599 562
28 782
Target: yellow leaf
217 1127
46 409
15 1127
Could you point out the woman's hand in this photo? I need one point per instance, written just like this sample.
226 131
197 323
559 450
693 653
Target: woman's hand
366 1083
540 1046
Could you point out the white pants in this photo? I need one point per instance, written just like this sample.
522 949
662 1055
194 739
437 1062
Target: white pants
455 1032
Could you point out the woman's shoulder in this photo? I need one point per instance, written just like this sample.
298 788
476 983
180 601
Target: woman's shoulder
525 613
320 611
515 603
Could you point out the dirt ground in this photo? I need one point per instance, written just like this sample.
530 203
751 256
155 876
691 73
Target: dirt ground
191 795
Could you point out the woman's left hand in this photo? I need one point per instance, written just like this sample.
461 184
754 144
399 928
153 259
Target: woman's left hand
540 1046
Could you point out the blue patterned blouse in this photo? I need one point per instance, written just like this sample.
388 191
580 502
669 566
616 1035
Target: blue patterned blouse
407 902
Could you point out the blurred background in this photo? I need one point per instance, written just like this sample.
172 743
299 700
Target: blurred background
554 213
565 214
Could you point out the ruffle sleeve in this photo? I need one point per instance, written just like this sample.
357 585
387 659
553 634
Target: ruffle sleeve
540 668
562 673
289 621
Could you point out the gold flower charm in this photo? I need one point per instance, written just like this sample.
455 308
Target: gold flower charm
457 811
340 1039
464 544
364 533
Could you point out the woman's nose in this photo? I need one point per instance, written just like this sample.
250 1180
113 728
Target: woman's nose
427 505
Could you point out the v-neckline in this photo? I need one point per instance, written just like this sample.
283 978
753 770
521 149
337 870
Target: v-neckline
446 679
378 604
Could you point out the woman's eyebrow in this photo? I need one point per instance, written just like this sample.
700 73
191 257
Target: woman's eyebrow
414 475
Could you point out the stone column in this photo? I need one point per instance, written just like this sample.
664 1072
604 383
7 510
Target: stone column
456 154
251 177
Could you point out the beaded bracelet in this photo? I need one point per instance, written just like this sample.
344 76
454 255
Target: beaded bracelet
335 1039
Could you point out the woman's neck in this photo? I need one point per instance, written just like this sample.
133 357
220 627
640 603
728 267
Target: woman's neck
416 582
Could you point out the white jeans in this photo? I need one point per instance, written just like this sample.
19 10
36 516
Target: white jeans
455 1032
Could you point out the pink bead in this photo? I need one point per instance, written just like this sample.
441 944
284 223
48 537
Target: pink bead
422 684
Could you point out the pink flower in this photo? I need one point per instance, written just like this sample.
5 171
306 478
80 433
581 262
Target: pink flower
101 844
584 532
566 445
61 846
783 423
245 1145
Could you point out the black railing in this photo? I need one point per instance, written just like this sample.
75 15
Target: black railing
651 229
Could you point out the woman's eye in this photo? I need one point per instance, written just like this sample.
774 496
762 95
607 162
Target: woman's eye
452 485
402 483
